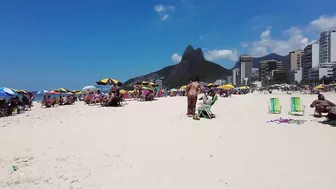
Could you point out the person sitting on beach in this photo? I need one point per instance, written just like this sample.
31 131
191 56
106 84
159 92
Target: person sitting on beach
48 102
60 101
192 91
31 98
321 105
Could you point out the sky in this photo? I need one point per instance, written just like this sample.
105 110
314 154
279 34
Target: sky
46 44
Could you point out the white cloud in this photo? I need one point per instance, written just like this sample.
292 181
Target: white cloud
163 11
244 44
323 23
266 44
176 58
219 54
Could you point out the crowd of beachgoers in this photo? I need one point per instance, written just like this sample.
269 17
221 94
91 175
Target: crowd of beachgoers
148 91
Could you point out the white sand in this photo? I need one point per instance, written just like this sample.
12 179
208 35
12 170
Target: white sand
154 145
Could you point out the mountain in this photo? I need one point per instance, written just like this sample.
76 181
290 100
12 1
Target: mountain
274 56
192 64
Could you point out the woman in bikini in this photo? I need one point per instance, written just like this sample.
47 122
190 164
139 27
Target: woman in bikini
192 91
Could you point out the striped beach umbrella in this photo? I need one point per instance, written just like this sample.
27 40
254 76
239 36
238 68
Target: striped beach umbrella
109 81
4 92
42 91
20 91
62 90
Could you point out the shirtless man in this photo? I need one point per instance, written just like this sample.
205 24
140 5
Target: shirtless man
192 90
322 105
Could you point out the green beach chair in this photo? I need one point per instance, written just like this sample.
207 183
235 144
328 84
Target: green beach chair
297 107
274 106
205 110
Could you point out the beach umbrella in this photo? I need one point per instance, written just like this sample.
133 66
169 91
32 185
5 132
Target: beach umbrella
211 85
243 87
42 91
109 81
53 92
75 91
145 88
19 91
89 89
122 91
62 90
228 86
173 90
319 87
183 87
153 84
7 91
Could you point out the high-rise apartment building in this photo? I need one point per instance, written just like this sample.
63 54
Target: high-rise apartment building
295 58
235 76
328 46
310 61
271 70
245 67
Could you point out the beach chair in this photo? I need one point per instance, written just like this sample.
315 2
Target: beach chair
3 108
204 111
274 106
297 107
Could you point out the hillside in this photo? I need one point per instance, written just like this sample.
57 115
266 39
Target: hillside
192 64
271 56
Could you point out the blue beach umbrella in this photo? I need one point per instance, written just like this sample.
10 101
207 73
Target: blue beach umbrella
4 91
42 91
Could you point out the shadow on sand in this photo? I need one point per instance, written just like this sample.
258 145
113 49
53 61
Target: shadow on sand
331 123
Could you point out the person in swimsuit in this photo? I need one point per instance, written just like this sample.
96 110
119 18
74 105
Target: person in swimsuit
192 91
322 105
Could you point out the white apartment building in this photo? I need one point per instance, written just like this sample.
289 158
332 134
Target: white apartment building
328 46
313 73
323 56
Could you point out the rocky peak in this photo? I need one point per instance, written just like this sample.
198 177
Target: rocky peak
192 55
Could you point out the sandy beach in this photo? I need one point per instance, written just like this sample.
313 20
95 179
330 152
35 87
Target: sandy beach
154 145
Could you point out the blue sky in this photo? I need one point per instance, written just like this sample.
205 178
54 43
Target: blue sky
73 43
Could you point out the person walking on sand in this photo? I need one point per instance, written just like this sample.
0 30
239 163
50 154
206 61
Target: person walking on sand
192 91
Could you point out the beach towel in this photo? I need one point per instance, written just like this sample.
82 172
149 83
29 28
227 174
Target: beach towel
288 121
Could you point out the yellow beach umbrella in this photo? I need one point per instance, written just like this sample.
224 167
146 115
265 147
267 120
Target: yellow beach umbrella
145 88
78 93
211 85
243 87
319 87
109 81
228 86
19 91
75 91
122 91
132 91
183 87
152 84
62 90
145 83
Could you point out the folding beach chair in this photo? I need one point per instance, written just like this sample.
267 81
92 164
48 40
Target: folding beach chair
204 111
3 108
274 106
297 107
